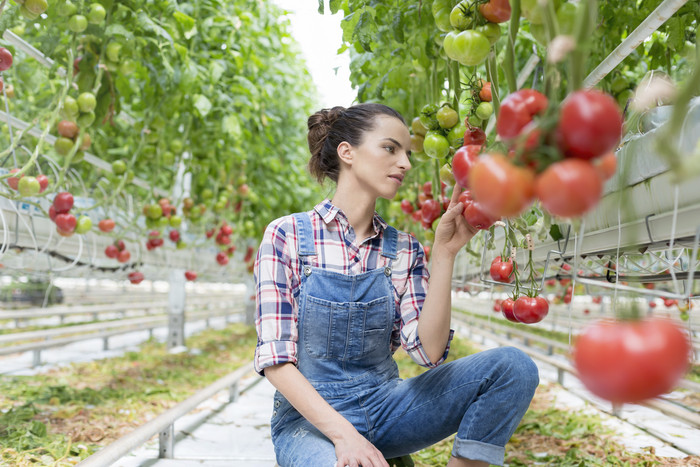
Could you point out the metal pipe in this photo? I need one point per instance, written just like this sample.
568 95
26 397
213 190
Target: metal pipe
136 438
658 17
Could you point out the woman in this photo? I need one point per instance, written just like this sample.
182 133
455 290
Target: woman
338 291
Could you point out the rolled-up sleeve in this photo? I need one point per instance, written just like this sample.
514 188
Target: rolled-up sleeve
276 317
411 304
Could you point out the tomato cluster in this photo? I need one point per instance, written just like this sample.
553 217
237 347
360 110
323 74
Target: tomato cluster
28 185
471 28
223 239
118 251
69 134
66 222
560 156
524 309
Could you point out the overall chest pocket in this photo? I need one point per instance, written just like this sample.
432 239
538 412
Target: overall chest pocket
346 330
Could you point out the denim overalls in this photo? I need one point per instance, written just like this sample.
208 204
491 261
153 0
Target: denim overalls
345 324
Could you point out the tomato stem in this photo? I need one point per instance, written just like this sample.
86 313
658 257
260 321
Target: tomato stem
509 62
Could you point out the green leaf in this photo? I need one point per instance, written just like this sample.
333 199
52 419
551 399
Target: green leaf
676 33
116 29
149 25
555 232
187 22
334 6
231 125
320 6
202 104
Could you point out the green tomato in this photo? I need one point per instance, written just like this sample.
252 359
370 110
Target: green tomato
175 221
87 102
447 117
63 145
86 119
97 13
28 186
119 167
492 31
163 222
83 225
456 135
127 67
471 47
70 108
28 14
419 157
36 6
176 145
436 145
624 96
417 143
428 117
446 175
207 194
474 121
458 18
154 211
67 8
77 23
113 51
441 14
619 84
484 110
566 17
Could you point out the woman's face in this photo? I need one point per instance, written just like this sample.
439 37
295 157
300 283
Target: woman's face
379 164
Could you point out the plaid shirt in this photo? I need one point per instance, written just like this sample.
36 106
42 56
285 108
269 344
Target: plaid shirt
278 271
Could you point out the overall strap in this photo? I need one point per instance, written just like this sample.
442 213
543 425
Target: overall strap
305 234
389 242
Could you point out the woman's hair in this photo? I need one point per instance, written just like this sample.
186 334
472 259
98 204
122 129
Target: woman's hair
330 127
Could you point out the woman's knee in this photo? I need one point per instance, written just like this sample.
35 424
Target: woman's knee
520 367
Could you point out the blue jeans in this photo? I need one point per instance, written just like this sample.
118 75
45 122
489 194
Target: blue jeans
481 397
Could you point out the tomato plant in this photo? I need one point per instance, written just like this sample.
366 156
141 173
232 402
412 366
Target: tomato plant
631 361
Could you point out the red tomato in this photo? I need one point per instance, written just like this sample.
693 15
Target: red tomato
496 11
431 210
13 181
52 213
190 275
406 206
530 310
502 189
5 59
135 277
590 124
106 225
569 188
517 111
474 136
485 92
111 251
226 229
66 222
652 304
174 236
630 361
606 165
477 217
417 215
669 302
222 258
63 202
462 162
507 309
43 182
123 256
597 299
120 245
502 271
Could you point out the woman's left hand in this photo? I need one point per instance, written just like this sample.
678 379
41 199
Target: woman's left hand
453 231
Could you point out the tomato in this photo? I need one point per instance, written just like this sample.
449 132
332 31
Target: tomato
496 11
96 14
63 145
517 111
113 51
441 13
87 102
428 117
431 210
477 217
446 175
248 254
669 302
43 182
77 23
418 127
606 165
502 271
84 225
502 188
174 236
590 124
63 202
118 167
435 145
417 143
484 110
66 222
474 135
492 31
530 310
631 361
485 92
469 48
190 275
569 188
153 211
135 277
406 206
447 117
123 256
222 258
106 225
28 186
597 300
459 17
5 59
67 129
507 310
462 162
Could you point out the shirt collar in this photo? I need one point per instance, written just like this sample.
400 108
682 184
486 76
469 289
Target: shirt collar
328 212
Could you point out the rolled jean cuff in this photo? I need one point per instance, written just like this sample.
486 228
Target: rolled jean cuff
478 451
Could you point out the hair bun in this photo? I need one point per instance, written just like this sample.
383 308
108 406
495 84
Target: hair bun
320 124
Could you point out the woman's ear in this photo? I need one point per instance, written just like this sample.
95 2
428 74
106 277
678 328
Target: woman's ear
345 152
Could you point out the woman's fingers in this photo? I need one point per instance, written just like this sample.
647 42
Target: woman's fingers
456 191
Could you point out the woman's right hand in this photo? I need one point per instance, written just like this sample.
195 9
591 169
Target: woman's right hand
354 450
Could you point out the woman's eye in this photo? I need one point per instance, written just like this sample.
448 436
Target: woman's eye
389 148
